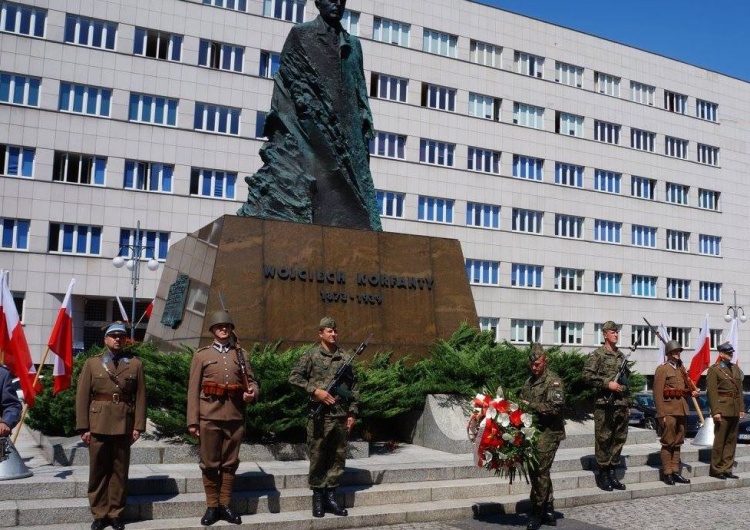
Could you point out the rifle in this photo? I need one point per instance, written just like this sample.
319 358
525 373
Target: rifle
341 374
234 342
621 372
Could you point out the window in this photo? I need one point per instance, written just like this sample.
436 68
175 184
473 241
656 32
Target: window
148 176
220 56
643 236
607 84
675 147
483 272
528 115
489 324
644 286
269 64
641 93
607 231
568 333
438 153
715 338
435 210
390 145
15 234
482 215
607 181
486 54
675 102
16 161
643 188
75 239
483 160
569 124
568 175
709 245
79 169
19 89
569 226
529 221
678 240
681 335
708 199
23 20
568 279
90 32
350 22
389 87
607 282
157 44
642 140
568 74
708 154
391 32
678 289
439 43
523 275
155 244
390 204
709 291
706 110
152 109
83 99
438 97
525 331
528 64
234 5
643 335
212 183
216 118
677 193
485 107
260 124
526 167
289 10
606 132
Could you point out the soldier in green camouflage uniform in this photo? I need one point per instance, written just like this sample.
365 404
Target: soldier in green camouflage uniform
543 394
610 408
326 435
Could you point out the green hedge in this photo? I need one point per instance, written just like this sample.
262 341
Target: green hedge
391 391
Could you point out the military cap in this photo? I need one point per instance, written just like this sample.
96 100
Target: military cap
609 325
219 317
536 352
725 348
327 322
115 327
671 346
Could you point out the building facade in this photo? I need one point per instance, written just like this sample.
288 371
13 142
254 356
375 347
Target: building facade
586 180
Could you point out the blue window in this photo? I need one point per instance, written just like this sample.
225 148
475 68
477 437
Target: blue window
568 175
155 244
390 204
482 215
607 181
435 210
17 161
23 20
148 176
15 234
78 168
211 183
215 118
526 167
84 99
644 286
269 64
643 236
523 275
607 283
157 44
153 109
75 239
483 272
90 32
19 89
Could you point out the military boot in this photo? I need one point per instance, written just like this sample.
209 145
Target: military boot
548 516
317 503
331 506
535 522
602 480
616 484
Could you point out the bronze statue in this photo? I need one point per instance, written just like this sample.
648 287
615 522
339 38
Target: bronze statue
316 160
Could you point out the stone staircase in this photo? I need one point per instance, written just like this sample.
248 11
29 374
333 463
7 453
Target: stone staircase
408 484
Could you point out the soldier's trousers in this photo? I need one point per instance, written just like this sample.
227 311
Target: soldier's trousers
220 449
672 437
109 462
326 440
725 443
541 483
610 433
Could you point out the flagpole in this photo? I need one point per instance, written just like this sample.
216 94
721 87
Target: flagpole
26 405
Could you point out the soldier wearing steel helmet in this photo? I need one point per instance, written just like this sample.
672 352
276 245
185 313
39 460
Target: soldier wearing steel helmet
670 389
217 396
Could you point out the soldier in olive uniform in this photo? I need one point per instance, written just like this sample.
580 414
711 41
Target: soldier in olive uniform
724 386
218 393
671 385
110 415
327 434
544 395
610 408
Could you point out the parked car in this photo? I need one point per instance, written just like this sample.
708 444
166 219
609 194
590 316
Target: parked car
743 434
636 417
644 401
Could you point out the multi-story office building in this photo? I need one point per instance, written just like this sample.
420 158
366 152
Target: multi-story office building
586 180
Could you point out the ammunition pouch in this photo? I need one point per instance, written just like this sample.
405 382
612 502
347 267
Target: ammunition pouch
675 393
221 391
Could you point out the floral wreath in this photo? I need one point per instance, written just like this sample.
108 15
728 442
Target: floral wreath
503 435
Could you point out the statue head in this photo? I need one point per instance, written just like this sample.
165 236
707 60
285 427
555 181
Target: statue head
331 10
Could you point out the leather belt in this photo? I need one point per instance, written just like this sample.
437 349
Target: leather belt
114 398
730 394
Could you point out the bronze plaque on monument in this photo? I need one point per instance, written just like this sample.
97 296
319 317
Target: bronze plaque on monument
277 279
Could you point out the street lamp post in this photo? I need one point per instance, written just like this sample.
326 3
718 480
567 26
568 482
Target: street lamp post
736 311
133 264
